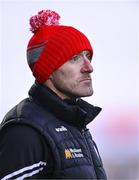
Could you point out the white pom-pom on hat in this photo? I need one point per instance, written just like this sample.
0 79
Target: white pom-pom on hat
44 17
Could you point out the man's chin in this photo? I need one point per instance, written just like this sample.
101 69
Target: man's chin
89 94
86 94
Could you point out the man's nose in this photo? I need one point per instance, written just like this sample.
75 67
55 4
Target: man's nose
86 67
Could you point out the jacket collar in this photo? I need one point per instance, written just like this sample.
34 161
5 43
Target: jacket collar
78 112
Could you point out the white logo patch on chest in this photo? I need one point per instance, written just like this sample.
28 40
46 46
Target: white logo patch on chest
60 129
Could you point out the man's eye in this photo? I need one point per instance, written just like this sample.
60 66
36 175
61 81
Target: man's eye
75 58
88 56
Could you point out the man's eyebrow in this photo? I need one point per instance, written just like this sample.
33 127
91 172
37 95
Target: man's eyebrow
82 53
75 56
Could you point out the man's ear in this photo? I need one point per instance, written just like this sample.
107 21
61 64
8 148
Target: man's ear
50 77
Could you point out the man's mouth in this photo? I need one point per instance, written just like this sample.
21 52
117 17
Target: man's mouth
86 79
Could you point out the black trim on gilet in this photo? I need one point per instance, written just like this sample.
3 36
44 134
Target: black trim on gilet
64 127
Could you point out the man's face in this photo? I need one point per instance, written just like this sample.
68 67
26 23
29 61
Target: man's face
73 78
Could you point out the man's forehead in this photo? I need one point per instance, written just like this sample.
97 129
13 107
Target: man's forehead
83 52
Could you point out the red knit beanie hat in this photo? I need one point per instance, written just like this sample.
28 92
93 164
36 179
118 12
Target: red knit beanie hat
52 44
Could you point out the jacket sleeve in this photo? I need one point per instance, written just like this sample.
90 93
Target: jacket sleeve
24 154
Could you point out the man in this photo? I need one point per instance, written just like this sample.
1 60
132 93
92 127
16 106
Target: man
45 136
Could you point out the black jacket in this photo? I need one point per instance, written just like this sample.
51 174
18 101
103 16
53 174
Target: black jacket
53 141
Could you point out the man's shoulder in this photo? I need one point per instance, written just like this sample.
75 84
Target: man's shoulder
28 112
25 109
16 111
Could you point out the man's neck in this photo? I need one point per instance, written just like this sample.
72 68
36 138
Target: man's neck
50 85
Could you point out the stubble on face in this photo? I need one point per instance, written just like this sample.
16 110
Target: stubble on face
73 78
71 84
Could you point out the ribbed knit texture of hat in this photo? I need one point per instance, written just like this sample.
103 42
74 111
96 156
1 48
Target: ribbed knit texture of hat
53 45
